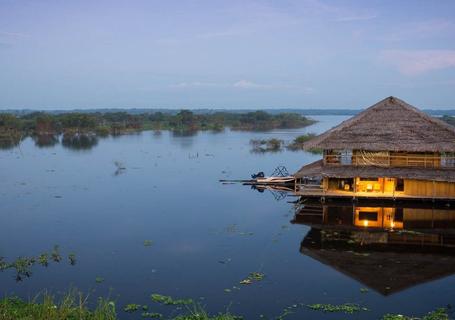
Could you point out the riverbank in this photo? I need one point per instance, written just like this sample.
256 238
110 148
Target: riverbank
74 306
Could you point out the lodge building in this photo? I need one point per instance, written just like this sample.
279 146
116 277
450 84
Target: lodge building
390 150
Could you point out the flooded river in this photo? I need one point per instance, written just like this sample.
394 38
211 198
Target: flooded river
145 214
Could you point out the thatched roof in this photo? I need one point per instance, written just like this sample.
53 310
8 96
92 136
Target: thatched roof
392 125
318 169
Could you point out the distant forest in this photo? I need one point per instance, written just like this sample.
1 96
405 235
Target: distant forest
77 127
304 112
81 129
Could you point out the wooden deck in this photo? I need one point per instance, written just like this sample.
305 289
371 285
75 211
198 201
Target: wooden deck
318 192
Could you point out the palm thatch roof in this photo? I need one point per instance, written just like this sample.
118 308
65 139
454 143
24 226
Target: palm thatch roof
392 125
317 169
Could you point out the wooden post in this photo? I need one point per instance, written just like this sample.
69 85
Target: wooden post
394 187
433 189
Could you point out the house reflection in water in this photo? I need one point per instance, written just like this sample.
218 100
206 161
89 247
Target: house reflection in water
386 248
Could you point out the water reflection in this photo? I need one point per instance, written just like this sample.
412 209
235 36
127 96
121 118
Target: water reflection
184 133
46 140
9 141
79 141
385 248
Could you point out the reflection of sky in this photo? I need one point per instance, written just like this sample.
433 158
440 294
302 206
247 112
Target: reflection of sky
57 196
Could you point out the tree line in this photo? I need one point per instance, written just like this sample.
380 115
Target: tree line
120 122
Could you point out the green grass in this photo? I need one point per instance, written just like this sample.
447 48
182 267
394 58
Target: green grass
73 306
439 314
44 307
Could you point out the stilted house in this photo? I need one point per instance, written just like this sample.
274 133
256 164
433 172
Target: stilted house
390 150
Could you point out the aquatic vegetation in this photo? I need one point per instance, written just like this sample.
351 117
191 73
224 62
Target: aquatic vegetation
364 290
253 276
439 314
168 300
46 307
43 259
73 305
79 141
345 307
226 261
72 259
288 310
99 280
3 264
298 143
151 315
196 312
148 243
257 276
55 254
132 307
23 265
266 145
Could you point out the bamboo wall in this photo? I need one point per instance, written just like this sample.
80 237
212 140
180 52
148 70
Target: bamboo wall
428 188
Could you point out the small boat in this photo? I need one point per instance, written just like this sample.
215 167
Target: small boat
275 180
280 176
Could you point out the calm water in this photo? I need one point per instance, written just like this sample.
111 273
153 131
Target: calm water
206 236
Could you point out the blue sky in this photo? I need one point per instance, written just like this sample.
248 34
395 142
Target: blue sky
225 54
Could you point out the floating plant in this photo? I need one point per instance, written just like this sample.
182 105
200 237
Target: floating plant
43 259
168 300
55 254
253 276
151 315
99 280
23 265
72 259
148 243
132 307
345 307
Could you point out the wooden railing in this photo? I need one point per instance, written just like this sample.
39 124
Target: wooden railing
420 161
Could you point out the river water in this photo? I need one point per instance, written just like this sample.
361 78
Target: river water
102 199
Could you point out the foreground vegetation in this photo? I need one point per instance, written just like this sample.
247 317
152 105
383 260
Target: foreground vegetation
74 306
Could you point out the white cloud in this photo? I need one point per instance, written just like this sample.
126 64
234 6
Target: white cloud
415 62
241 84
245 84
194 84
359 17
